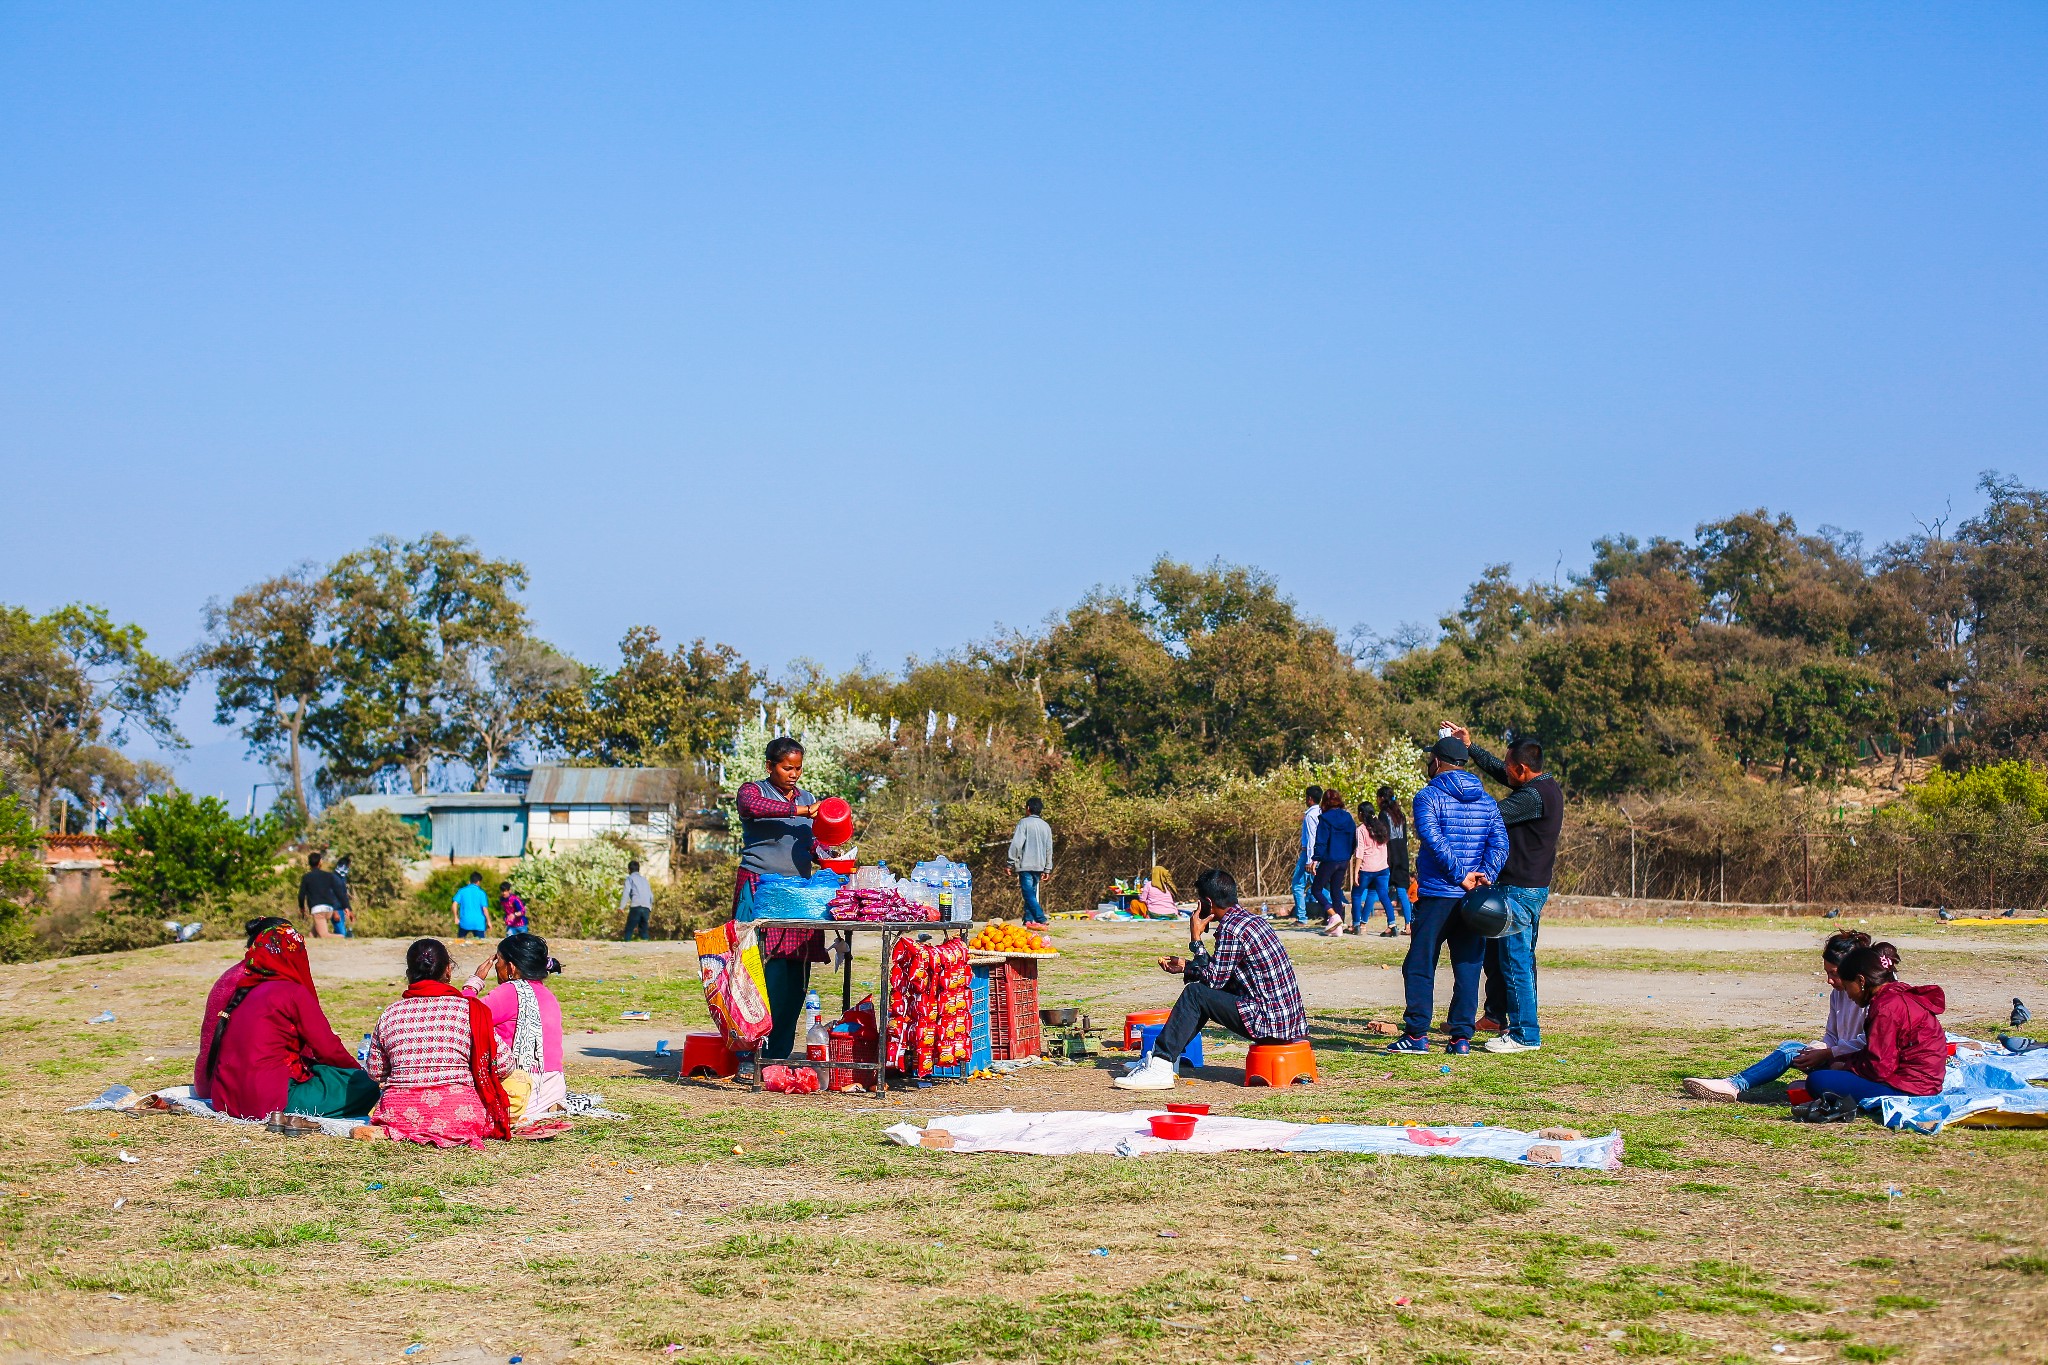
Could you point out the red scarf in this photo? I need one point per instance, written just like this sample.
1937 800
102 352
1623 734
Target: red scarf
483 1047
279 952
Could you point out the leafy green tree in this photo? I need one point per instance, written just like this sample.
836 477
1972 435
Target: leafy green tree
657 708
176 854
21 876
271 655
406 614
72 682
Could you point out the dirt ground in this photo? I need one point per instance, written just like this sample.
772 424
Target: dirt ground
724 1224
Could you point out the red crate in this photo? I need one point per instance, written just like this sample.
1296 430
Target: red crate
1013 1009
850 1047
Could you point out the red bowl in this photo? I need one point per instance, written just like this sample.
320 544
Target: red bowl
1187 1108
1174 1127
832 824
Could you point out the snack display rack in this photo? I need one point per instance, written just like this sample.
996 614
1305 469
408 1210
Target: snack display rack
888 931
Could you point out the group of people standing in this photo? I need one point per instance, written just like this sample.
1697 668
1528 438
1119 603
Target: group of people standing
1468 840
444 1066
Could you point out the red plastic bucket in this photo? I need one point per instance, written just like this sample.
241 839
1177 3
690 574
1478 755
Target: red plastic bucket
832 825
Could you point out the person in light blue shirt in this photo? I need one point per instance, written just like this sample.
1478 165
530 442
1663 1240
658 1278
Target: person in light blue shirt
472 909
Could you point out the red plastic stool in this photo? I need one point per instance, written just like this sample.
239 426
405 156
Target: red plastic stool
705 1054
1279 1064
1134 1024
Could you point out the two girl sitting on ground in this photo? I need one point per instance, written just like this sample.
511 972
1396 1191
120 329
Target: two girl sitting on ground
1882 1036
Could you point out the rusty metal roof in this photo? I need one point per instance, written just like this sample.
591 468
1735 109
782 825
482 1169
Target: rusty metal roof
601 787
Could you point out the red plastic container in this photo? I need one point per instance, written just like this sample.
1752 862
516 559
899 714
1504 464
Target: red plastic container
1173 1127
832 825
1797 1094
1196 1109
851 1047
1013 1031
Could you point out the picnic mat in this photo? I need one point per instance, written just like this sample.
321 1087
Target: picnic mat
180 1099
1074 1132
1986 1087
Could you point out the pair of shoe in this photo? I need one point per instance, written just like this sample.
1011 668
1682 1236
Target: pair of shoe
1147 1073
1827 1108
1505 1043
1415 1043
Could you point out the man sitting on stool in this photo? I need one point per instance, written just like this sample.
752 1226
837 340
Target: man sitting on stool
1247 985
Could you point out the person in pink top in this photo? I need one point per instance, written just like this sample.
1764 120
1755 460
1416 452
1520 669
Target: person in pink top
1371 863
527 1017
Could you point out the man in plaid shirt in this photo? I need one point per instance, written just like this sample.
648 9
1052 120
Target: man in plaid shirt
1247 985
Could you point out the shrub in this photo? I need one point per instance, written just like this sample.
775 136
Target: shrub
575 894
379 847
430 902
21 877
1991 790
178 856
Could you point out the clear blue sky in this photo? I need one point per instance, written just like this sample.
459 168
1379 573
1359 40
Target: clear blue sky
825 330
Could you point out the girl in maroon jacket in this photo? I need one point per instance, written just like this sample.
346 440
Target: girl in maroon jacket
1905 1048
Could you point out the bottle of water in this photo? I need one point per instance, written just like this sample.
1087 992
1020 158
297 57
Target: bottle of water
813 1012
363 1052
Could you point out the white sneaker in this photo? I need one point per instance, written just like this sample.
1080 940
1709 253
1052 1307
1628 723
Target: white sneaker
1705 1089
1507 1044
1155 1074
1135 1063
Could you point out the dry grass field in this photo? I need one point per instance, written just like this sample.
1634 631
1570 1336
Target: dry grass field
715 1225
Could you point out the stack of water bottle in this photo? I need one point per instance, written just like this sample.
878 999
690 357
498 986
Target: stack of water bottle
947 885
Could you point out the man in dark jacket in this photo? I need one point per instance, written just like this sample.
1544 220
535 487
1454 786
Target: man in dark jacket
1533 811
1464 846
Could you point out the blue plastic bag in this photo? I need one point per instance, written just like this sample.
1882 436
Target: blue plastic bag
779 897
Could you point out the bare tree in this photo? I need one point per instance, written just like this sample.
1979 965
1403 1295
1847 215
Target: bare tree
271 654
494 696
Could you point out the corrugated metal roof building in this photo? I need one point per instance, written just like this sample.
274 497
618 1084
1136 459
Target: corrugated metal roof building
560 807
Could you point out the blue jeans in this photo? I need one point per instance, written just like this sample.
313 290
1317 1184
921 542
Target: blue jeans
1374 886
1301 894
1436 927
1769 1069
1027 883
1848 1083
1511 966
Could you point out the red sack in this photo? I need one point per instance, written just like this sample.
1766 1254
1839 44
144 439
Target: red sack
789 1080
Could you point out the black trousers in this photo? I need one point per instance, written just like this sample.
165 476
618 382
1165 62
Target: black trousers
1199 1004
636 922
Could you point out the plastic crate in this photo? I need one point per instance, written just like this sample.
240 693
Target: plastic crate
979 1051
1013 1030
850 1047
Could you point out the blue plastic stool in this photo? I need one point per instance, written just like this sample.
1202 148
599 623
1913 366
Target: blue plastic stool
1149 1034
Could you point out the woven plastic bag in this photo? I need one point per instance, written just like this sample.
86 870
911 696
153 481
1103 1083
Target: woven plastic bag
735 987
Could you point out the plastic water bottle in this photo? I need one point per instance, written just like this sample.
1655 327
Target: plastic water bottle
813 1011
363 1052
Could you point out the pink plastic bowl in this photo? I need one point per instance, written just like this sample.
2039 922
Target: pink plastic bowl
1174 1127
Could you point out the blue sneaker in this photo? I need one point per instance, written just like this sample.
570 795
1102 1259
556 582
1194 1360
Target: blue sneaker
1409 1042
1457 1047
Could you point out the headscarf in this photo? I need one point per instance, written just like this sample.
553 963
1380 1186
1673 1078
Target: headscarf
278 954
1163 879
483 1047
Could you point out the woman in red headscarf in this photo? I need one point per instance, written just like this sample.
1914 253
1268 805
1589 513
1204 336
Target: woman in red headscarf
270 1046
439 1058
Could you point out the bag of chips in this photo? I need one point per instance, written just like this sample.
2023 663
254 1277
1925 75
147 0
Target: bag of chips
735 987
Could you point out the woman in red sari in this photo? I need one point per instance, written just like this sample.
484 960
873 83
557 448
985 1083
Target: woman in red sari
439 1059
270 1046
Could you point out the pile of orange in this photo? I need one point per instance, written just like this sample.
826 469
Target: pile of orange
1000 936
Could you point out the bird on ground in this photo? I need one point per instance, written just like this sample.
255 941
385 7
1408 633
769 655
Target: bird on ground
2020 1013
1943 914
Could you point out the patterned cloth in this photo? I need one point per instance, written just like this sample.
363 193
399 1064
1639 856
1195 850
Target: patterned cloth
1250 963
436 1115
424 1042
931 1005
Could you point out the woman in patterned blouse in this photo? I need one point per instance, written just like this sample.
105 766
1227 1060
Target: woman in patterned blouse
775 838
439 1058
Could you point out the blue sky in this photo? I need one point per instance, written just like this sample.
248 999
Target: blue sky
831 330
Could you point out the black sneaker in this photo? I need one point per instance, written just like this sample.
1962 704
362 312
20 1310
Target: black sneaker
1828 1108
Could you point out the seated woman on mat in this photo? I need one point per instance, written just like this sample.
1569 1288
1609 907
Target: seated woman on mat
1905 1048
1842 1035
237 972
528 1019
439 1058
271 1046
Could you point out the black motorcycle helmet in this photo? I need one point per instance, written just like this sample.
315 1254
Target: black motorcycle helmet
1486 912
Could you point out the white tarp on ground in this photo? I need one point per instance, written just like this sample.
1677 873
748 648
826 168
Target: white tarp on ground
1986 1086
1074 1132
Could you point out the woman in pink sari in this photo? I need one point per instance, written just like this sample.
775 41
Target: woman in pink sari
439 1058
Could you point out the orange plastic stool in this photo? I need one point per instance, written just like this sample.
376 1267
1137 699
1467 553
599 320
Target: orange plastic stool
1279 1064
705 1054
1135 1023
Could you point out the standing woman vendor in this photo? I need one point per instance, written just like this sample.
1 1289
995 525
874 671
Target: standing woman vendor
775 838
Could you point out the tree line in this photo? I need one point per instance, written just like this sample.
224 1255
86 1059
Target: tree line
1754 647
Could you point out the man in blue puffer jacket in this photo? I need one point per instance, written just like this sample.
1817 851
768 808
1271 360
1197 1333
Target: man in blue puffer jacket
1464 845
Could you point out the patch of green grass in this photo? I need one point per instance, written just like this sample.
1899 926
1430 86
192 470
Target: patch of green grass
1873 1263
1857 1350
1905 1301
2024 1264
